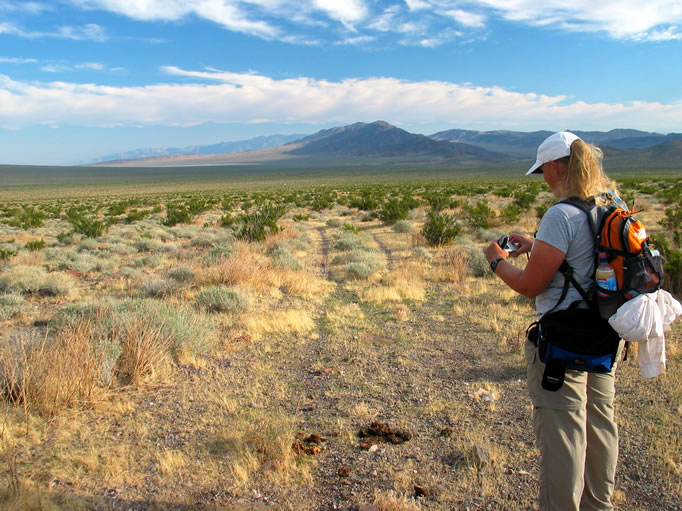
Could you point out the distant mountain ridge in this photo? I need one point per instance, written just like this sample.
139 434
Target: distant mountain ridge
524 144
380 143
237 146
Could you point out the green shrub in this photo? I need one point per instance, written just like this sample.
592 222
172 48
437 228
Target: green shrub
28 280
158 288
525 198
369 259
356 229
348 240
216 255
403 227
477 261
223 299
394 210
177 213
89 227
358 270
181 274
421 252
510 213
26 218
137 215
334 222
181 328
480 216
672 264
10 306
673 222
256 226
35 245
151 261
227 220
440 228
65 237
204 240
438 201
6 253
285 259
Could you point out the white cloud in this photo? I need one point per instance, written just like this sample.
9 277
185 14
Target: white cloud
61 67
622 19
89 32
251 98
25 7
468 19
14 60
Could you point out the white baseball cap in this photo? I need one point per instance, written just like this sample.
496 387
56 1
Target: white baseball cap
554 147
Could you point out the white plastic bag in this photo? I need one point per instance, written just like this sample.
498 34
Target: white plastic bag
636 319
644 319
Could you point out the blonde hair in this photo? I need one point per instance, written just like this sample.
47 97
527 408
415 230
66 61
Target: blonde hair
584 176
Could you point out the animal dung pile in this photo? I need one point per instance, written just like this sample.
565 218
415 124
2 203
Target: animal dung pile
311 445
378 432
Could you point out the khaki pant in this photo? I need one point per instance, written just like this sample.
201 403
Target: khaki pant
577 436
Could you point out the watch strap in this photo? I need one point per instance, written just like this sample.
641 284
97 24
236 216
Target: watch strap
494 263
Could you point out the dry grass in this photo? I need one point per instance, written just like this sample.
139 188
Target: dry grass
48 375
143 349
279 322
390 501
451 265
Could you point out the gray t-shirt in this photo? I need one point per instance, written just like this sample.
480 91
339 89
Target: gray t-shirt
567 228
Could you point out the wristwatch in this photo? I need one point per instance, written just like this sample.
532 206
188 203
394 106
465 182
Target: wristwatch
493 264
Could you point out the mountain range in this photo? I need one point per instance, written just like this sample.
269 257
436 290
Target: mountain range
380 143
238 146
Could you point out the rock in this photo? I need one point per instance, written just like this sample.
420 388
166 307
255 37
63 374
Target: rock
363 507
343 471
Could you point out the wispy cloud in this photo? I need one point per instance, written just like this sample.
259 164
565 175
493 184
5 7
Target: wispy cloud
15 60
62 67
90 32
654 20
24 7
254 98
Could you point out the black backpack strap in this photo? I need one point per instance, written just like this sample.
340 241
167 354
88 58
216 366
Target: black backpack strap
589 207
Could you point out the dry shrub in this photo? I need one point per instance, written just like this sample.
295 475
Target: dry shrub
48 375
246 267
288 233
23 258
143 348
450 265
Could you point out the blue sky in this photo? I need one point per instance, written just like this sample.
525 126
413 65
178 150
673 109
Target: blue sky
83 78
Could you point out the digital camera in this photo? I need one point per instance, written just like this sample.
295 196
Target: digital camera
506 244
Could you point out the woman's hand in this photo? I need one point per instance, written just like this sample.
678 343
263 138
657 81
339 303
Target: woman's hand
494 251
524 242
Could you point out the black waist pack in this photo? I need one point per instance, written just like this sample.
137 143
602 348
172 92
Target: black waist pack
576 339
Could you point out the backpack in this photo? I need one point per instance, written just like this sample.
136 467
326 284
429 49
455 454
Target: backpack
582 339
623 238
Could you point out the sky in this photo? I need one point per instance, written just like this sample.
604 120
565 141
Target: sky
80 79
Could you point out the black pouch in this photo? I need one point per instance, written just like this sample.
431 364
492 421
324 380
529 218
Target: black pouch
576 339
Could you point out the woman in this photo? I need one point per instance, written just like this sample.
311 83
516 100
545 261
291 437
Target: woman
575 426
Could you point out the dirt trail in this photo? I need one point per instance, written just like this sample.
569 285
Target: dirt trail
325 245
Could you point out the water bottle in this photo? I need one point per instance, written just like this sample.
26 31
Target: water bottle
606 279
